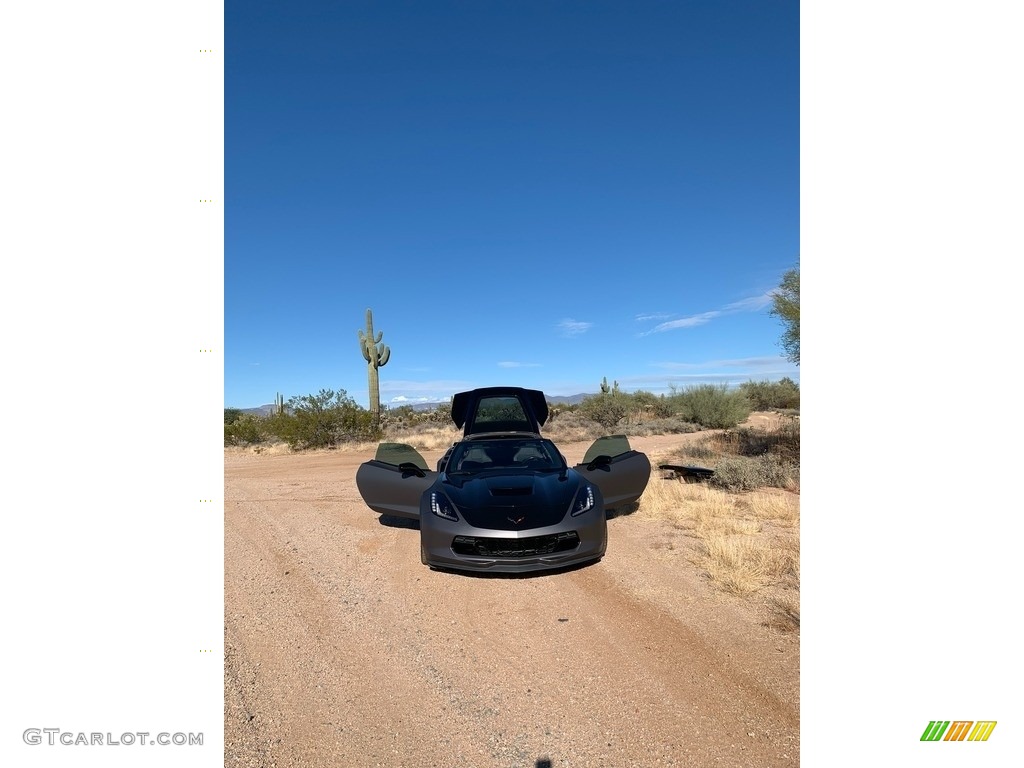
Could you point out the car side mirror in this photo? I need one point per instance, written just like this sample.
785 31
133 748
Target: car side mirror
600 462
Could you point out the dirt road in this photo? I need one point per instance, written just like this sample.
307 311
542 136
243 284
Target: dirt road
343 650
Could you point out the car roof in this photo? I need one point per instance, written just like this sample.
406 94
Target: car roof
466 409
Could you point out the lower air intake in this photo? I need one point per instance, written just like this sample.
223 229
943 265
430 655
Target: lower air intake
481 546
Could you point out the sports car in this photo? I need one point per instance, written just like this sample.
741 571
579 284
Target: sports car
503 499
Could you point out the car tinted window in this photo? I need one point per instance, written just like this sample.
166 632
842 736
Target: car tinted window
397 453
501 414
609 445
478 455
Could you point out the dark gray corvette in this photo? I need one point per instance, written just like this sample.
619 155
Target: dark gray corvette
503 498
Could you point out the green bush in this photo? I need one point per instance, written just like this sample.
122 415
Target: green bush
607 408
712 406
322 420
772 395
646 406
245 429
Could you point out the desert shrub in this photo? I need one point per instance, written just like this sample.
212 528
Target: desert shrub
441 414
397 418
276 425
407 417
712 406
231 415
323 420
662 426
783 442
772 395
557 410
786 442
607 408
701 451
646 406
744 473
245 429
573 427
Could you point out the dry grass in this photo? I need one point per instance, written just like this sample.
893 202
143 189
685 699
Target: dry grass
745 543
780 507
573 428
786 614
736 563
425 438
259 449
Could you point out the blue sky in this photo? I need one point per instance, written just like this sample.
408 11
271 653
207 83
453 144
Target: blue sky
528 193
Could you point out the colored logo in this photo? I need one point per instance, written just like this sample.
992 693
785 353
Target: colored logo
958 730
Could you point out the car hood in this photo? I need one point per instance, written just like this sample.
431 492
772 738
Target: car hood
513 501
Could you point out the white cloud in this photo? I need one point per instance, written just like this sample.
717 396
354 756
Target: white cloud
684 322
569 327
407 391
751 304
740 362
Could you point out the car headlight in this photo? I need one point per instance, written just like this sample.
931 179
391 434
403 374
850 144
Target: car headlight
584 500
442 507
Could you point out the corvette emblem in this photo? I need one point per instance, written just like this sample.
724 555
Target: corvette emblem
515 520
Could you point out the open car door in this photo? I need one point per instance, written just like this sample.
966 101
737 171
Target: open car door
620 472
393 482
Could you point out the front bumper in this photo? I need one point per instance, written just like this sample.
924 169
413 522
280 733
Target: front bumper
459 546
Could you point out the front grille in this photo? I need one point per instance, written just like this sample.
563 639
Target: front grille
481 546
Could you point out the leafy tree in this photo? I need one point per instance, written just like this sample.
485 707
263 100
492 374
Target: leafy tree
786 306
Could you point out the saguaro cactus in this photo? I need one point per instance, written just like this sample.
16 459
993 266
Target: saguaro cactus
279 404
376 354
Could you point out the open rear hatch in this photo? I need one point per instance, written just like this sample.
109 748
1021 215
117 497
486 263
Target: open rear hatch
499 409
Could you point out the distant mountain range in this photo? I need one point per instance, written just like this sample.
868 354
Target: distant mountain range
266 410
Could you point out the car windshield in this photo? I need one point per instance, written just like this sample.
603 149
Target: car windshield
480 455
